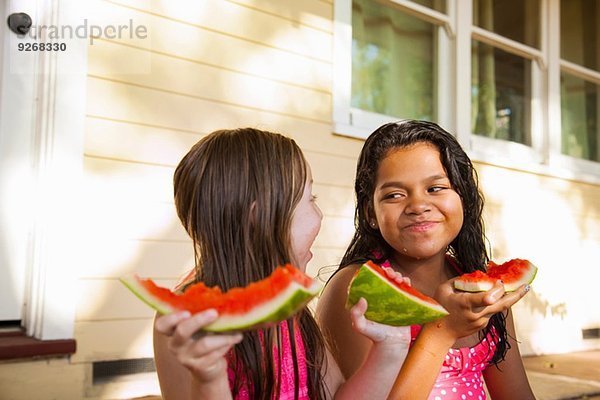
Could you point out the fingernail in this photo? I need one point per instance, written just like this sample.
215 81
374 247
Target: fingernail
210 314
185 314
527 288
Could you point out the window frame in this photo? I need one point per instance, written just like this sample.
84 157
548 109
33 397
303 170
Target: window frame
454 100
355 122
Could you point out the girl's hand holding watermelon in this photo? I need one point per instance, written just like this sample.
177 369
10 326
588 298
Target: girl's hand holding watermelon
470 312
203 356
379 333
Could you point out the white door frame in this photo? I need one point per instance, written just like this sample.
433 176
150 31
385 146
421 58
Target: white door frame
57 132
17 104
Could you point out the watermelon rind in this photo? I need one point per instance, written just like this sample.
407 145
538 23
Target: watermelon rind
387 303
483 285
133 284
283 306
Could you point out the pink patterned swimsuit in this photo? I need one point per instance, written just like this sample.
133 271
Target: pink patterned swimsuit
461 375
287 369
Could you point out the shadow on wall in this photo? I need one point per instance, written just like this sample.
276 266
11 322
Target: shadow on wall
537 304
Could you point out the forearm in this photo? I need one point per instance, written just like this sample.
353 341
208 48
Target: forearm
217 389
374 379
423 363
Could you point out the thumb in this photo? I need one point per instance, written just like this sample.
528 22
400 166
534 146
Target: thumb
357 315
359 309
479 300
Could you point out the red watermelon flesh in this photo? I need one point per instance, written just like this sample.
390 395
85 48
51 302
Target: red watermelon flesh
268 301
401 285
513 274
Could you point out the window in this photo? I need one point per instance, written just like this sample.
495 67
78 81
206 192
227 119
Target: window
580 78
501 80
388 62
518 81
393 62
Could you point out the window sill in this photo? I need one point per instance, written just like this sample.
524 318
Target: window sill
16 344
484 152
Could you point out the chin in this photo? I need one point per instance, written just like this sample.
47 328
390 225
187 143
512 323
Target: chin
420 253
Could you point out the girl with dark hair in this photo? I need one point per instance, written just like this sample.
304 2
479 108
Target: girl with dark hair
245 198
419 211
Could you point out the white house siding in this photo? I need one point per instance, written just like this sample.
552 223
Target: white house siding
205 65
556 224
216 64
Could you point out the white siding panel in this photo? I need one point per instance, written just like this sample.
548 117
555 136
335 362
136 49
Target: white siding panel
135 104
113 257
127 180
132 220
332 170
313 13
207 82
126 103
334 201
109 299
335 232
172 37
140 143
242 22
113 340
166 145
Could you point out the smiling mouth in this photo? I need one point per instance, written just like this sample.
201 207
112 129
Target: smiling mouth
421 226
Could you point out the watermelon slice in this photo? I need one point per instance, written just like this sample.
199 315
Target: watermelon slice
259 304
390 302
513 274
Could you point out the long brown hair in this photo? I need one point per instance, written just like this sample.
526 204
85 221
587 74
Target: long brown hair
235 194
469 246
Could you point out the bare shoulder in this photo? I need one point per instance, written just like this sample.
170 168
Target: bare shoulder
335 322
336 290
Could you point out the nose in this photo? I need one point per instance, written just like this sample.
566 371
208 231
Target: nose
417 204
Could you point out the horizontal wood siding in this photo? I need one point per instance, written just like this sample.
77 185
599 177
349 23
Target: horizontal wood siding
555 223
204 66
216 64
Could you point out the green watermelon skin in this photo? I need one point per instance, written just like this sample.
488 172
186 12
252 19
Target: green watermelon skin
276 310
132 283
389 303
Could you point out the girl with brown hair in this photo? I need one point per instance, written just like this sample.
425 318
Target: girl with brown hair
245 198
419 212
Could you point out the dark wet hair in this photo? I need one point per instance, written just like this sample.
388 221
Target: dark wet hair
235 194
468 248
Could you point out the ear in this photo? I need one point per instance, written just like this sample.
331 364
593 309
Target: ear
370 216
